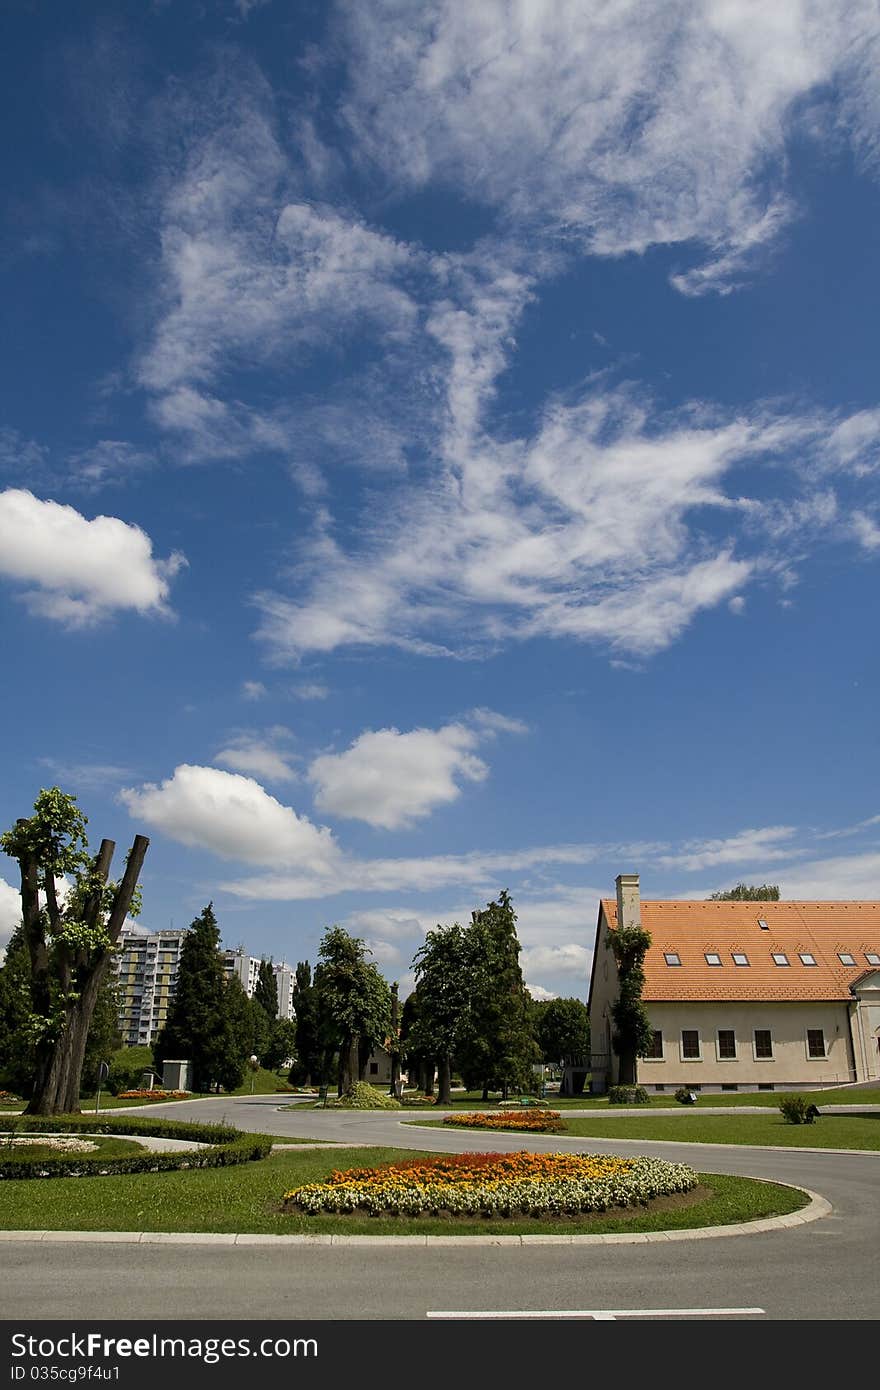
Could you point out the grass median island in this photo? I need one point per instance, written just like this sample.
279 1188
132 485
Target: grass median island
828 1132
250 1198
219 1145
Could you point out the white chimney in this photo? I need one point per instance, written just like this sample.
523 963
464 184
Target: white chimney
629 906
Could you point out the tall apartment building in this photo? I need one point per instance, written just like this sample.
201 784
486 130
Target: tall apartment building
146 970
247 968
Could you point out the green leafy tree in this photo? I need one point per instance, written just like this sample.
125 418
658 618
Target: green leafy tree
354 1002
209 1022
443 983
420 1064
632 1036
748 893
562 1027
499 1048
69 938
281 1046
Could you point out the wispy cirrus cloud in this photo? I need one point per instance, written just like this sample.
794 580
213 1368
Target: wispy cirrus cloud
766 845
614 125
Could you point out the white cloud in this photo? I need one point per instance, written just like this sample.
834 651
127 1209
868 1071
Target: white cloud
539 993
232 816
846 877
767 845
83 570
482 873
10 912
253 690
261 757
390 779
622 125
867 532
109 461
570 959
310 690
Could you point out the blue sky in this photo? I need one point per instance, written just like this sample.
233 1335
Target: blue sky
440 452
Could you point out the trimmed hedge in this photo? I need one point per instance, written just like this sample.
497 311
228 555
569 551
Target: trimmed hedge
628 1095
228 1146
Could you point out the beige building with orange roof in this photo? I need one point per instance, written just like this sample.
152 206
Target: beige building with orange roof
745 995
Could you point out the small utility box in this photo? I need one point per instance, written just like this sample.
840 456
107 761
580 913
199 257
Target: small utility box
176 1076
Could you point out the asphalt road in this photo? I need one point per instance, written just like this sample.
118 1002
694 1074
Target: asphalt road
827 1269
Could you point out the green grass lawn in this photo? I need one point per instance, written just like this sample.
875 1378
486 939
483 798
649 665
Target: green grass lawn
829 1131
666 1100
248 1197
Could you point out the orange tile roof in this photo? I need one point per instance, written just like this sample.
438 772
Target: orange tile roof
693 928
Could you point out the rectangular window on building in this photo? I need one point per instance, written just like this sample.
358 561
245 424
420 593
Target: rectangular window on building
740 958
807 958
845 958
726 1045
712 957
657 1046
374 1068
763 1043
815 1042
672 957
872 957
690 1044
780 958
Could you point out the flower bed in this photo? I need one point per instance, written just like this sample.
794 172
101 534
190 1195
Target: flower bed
156 1094
532 1121
8 1095
494 1184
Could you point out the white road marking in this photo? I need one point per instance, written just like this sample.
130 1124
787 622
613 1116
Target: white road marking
603 1314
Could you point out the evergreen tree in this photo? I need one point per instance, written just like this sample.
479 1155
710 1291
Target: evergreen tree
308 1066
17 1056
208 1024
266 990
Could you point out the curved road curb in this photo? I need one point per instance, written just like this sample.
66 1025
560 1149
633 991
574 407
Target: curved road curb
817 1208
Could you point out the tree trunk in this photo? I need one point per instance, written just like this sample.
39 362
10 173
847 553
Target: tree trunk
444 1081
626 1069
60 1060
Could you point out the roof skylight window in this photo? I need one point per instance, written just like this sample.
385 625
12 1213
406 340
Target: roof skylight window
740 958
872 957
762 924
712 957
780 958
845 958
807 958
672 957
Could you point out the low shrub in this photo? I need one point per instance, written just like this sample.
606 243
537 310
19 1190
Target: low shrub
227 1146
685 1097
9 1096
628 1095
361 1096
421 1101
798 1110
